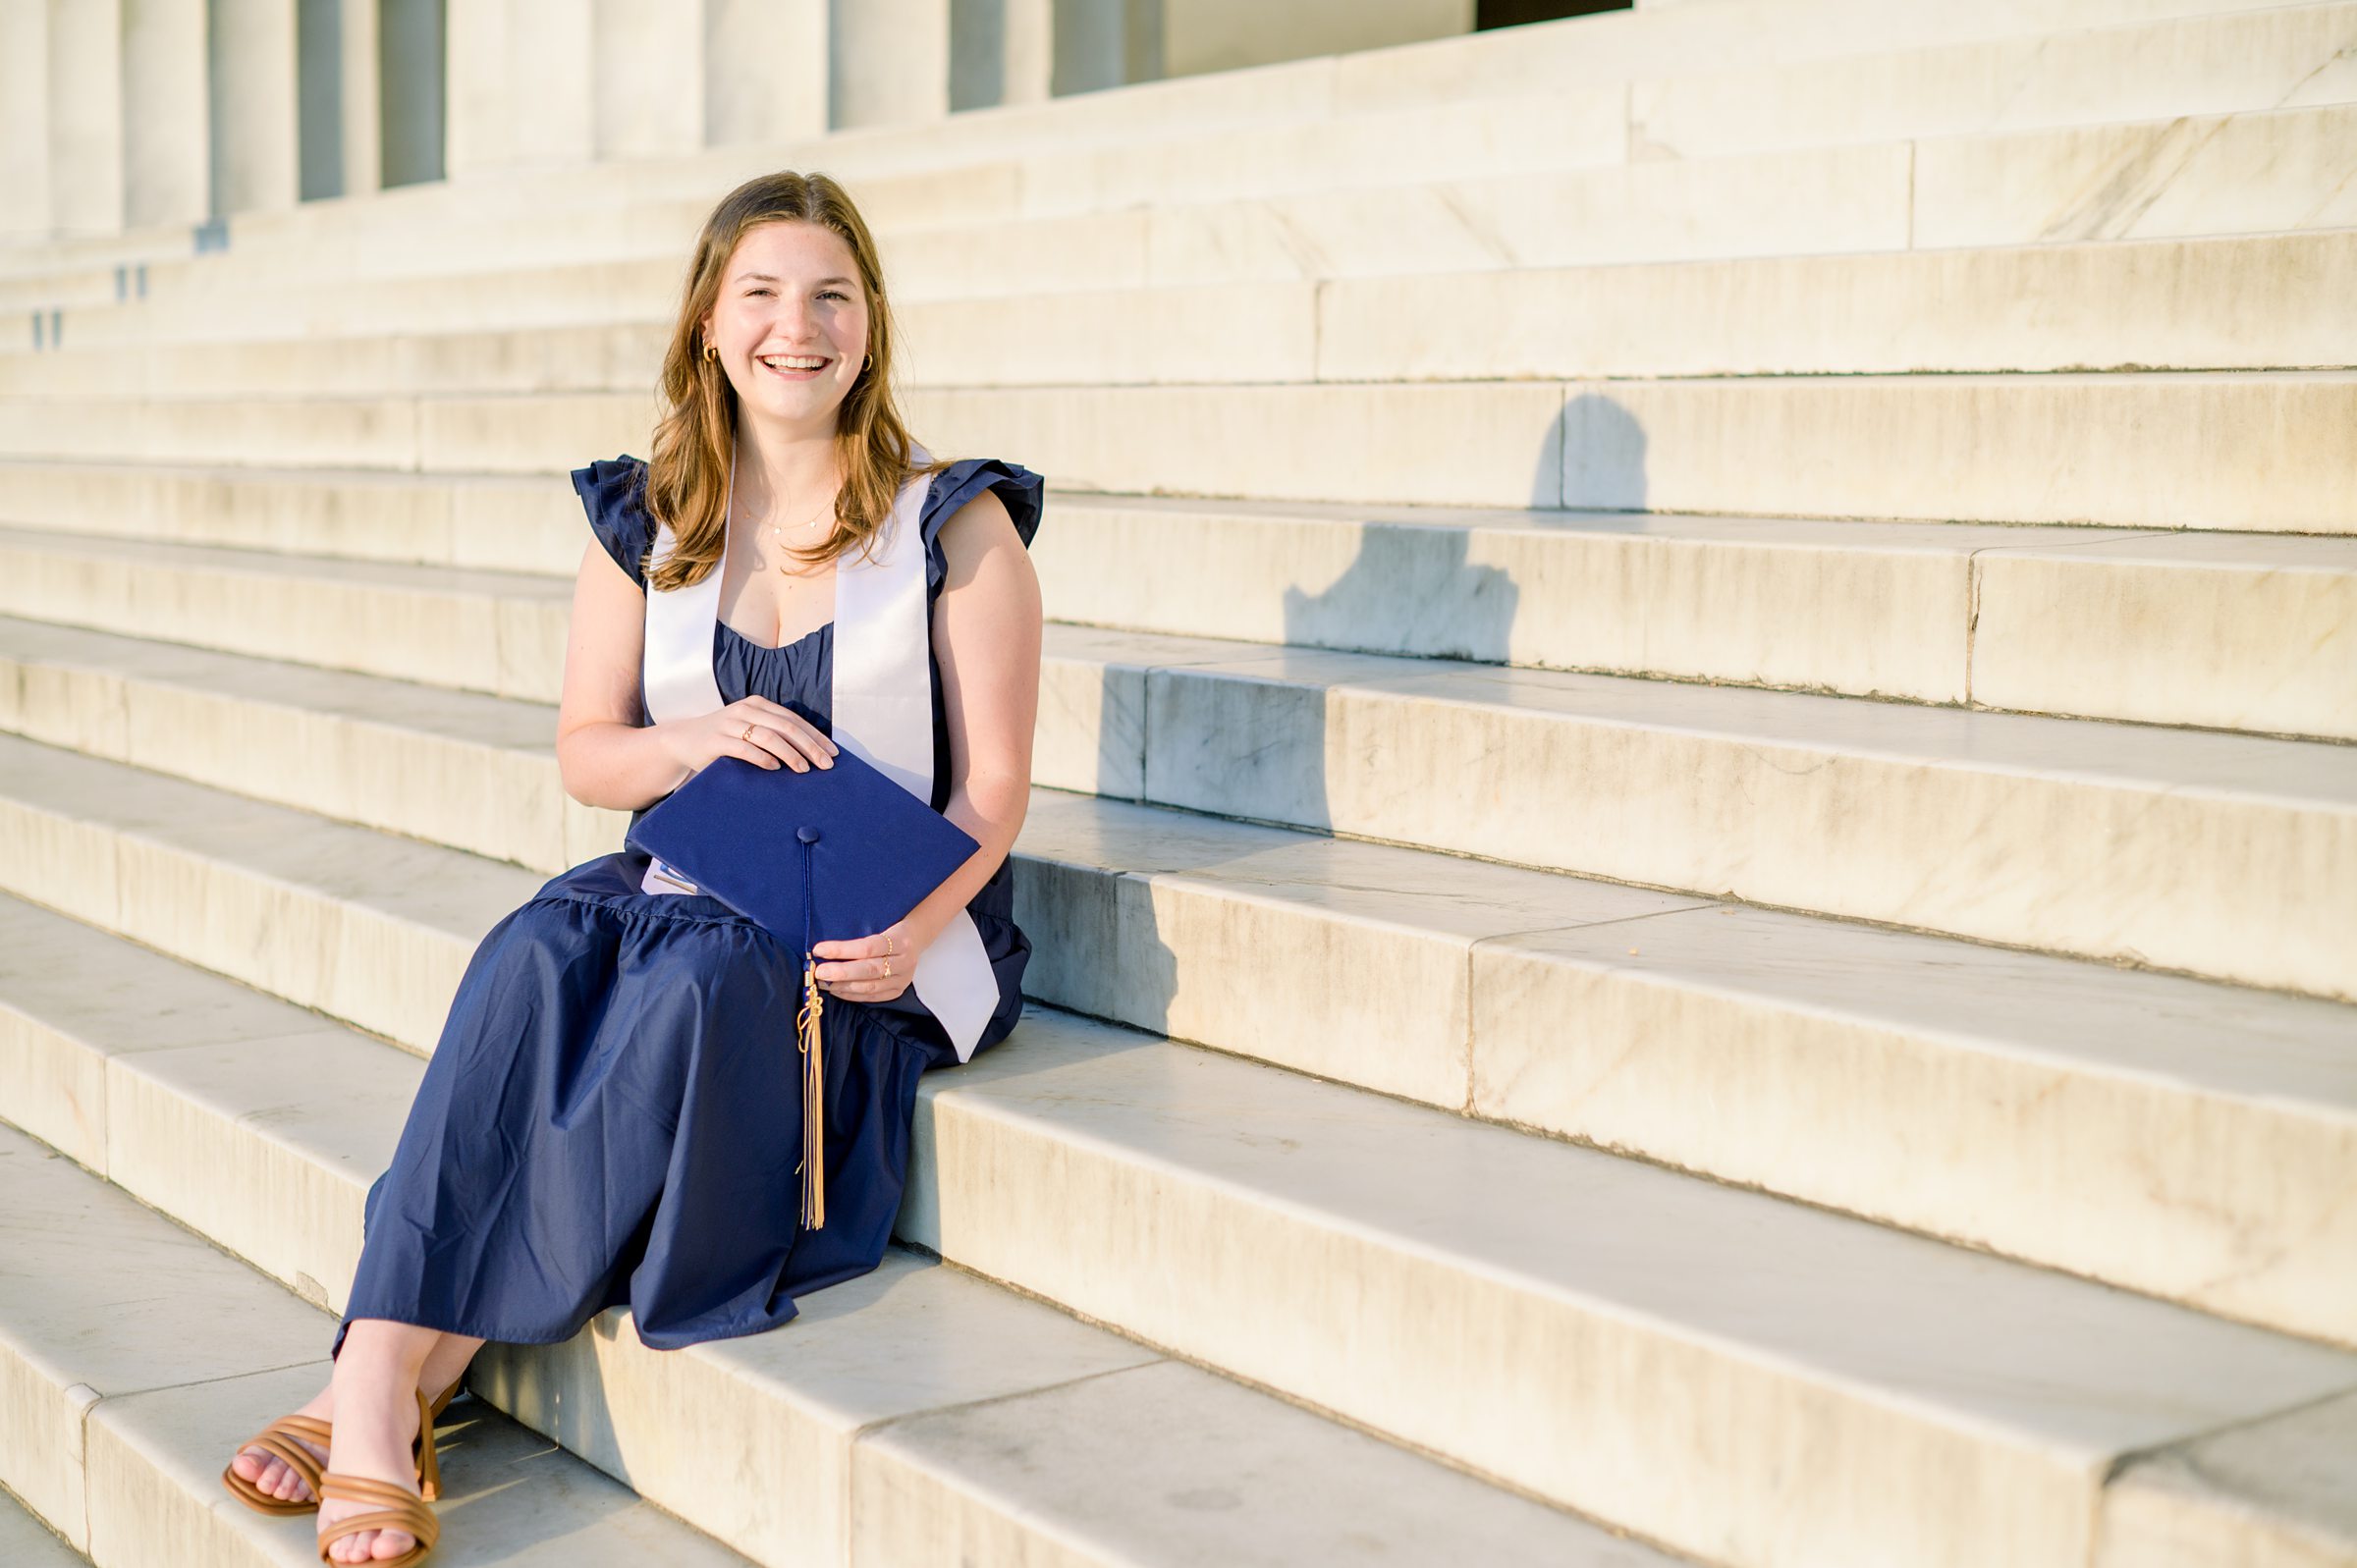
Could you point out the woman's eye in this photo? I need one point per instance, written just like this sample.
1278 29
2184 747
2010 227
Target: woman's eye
833 293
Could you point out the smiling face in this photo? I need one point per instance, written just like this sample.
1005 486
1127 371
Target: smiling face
790 324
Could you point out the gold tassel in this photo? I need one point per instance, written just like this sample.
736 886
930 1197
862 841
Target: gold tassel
814 1083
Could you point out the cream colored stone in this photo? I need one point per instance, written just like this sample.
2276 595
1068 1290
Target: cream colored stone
2252 302
2224 855
2274 451
1348 960
1159 919
1114 337
2188 64
2240 633
1170 1463
1845 607
30 1543
1382 147
228 1146
58 1030
2188 175
792 1406
1499 442
1570 1321
83 1319
1822 202
2070 1114
1653 40
438 625
156 1495
2279 1493
271 896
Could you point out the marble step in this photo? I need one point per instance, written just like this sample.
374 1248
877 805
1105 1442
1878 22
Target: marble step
2007 1100
1277 139
26 1542
2270 453
2222 856
134 1356
2073 622
2179 178
2240 302
1285 127
1308 1236
857 1415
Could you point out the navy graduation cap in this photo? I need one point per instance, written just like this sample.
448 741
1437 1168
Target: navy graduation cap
844 849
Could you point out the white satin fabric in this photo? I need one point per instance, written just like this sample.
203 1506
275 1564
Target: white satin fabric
882 699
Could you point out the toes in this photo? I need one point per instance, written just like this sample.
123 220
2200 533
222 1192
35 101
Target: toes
249 1463
392 1542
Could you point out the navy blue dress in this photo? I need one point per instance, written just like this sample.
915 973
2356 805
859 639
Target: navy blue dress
613 1113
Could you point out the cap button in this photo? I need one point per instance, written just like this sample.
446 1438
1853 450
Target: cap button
806 834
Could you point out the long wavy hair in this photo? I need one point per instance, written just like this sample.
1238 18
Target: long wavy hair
688 474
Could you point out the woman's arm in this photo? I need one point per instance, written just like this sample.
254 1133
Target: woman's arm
986 633
605 755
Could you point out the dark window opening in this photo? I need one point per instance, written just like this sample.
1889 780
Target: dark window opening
1514 13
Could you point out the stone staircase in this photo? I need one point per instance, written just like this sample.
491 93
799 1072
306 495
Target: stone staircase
1694 854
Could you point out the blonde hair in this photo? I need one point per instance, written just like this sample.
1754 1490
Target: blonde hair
688 473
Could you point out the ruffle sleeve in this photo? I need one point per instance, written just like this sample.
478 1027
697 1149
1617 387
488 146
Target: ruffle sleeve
1021 490
612 493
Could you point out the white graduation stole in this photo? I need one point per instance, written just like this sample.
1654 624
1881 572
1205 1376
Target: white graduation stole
883 711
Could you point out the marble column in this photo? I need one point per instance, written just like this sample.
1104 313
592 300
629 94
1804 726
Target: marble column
889 62
255 115
24 119
86 117
337 97
167 137
520 84
649 100
765 71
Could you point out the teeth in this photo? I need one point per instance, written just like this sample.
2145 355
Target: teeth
793 361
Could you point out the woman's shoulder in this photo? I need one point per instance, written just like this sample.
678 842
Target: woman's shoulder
613 492
1020 491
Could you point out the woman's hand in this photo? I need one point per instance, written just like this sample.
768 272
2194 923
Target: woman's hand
856 972
779 737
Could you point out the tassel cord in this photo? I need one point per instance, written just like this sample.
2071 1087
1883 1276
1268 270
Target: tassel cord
814 1073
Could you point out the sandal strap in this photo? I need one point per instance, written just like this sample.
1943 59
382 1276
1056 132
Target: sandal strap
399 1509
277 1440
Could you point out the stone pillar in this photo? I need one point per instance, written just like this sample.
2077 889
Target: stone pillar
359 83
649 97
167 174
412 89
765 71
255 115
86 117
24 119
1001 51
889 62
520 84
335 97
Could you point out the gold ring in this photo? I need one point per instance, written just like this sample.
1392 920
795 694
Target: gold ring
888 968
748 734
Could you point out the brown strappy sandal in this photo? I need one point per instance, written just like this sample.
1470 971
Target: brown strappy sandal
277 1440
397 1508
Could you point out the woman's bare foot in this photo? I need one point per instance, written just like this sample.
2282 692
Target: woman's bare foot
273 1475
444 1364
375 1390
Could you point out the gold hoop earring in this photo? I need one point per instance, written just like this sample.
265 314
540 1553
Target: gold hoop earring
867 364
711 353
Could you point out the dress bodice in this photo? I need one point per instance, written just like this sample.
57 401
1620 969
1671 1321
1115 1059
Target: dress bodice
801 674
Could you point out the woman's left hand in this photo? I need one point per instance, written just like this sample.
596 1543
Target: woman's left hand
873 968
